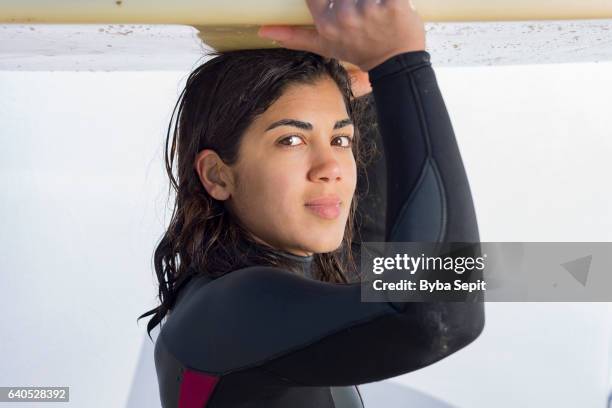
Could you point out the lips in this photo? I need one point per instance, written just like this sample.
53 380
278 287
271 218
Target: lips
327 207
327 200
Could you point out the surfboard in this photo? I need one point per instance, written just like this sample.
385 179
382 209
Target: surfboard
233 24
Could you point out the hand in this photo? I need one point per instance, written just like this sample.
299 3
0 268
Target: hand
363 32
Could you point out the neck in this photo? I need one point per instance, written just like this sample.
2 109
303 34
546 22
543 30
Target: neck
304 261
299 258
290 255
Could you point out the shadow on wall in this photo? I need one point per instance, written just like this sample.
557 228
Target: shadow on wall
389 395
144 391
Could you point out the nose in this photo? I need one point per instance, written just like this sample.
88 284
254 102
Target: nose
325 167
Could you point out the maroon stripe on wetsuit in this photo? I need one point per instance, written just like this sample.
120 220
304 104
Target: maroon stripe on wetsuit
196 389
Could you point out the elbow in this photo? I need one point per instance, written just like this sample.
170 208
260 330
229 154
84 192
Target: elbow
452 331
470 331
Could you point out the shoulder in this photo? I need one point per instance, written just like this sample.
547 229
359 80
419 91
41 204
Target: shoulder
246 292
262 293
250 314
255 286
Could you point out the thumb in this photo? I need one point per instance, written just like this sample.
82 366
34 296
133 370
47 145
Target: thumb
295 38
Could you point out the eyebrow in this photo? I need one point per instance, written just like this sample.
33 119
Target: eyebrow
306 125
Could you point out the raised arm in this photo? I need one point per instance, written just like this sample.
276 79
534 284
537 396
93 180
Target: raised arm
428 194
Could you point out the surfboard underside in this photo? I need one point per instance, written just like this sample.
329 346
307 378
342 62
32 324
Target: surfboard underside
233 24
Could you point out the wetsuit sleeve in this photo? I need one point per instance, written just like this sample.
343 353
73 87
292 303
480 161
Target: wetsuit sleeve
428 194
305 332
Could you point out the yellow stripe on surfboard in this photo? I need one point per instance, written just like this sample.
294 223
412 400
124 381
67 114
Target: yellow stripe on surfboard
229 24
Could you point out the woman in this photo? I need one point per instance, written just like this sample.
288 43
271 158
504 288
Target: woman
255 267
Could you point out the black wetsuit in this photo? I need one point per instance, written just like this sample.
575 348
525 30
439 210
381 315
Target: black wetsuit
266 337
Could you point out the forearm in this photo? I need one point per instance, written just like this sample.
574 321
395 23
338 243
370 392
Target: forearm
428 194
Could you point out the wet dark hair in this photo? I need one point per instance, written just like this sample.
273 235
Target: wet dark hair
220 100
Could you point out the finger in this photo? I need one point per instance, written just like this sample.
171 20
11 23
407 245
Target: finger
370 6
347 13
347 5
324 15
398 4
294 38
275 33
317 8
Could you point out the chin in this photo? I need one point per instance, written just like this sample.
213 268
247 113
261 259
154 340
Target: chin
320 246
317 238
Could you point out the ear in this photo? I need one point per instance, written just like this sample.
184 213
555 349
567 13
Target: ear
214 174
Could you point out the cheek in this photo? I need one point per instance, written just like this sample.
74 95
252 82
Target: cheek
350 171
269 192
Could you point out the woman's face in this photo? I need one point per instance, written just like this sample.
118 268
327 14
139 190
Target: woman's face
295 176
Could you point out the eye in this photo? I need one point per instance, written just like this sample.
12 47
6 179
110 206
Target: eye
345 141
291 140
